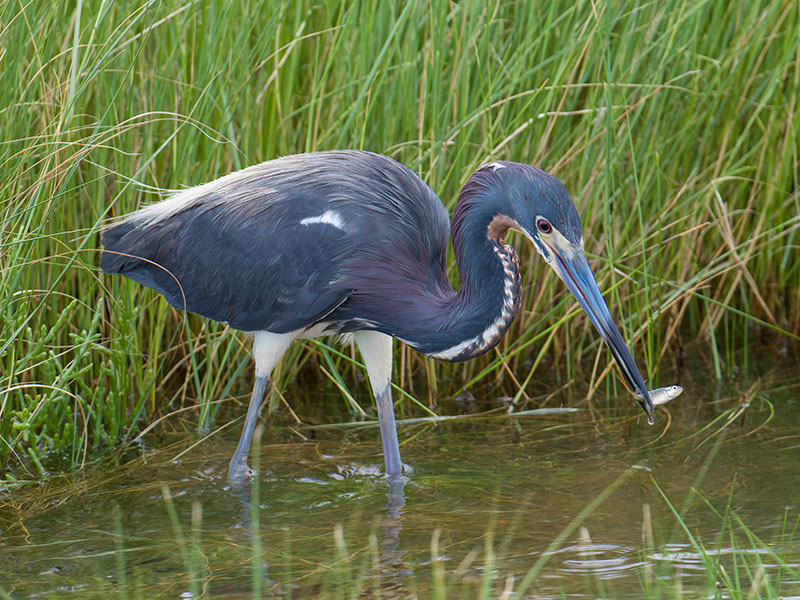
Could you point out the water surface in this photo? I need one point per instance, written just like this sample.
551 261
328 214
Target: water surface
491 498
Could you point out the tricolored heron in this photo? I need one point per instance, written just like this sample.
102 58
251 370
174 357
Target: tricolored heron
350 242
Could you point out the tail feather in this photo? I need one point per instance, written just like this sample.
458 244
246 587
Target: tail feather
114 258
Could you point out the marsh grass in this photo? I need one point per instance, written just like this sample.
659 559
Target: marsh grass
673 124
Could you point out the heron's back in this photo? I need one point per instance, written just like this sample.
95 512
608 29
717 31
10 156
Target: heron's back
268 247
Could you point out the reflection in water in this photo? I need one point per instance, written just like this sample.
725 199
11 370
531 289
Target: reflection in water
390 568
248 493
393 570
243 490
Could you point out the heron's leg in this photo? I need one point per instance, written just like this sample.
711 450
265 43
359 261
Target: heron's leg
376 349
238 468
267 351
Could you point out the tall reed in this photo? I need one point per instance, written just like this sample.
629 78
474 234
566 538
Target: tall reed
673 124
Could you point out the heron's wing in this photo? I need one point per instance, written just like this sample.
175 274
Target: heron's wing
268 247
269 272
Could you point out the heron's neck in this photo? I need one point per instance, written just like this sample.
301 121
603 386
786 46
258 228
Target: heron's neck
474 319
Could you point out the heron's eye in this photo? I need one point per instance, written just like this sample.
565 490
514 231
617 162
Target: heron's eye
544 225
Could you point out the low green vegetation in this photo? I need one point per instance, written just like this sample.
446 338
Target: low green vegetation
673 124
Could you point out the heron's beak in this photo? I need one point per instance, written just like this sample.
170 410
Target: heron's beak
572 267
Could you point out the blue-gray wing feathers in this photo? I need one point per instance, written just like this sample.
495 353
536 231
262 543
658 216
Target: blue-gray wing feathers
278 246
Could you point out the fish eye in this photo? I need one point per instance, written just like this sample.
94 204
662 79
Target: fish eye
543 225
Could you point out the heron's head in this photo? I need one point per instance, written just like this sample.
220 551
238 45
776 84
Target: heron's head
538 205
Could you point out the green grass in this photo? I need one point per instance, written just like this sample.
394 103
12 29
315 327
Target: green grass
673 124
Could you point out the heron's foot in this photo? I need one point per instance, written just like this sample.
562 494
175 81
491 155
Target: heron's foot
239 473
404 471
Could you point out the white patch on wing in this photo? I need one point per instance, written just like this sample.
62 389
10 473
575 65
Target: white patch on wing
495 165
329 217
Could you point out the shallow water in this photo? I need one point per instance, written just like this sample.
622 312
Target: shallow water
490 499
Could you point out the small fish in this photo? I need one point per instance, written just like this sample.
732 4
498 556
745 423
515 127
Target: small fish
663 395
